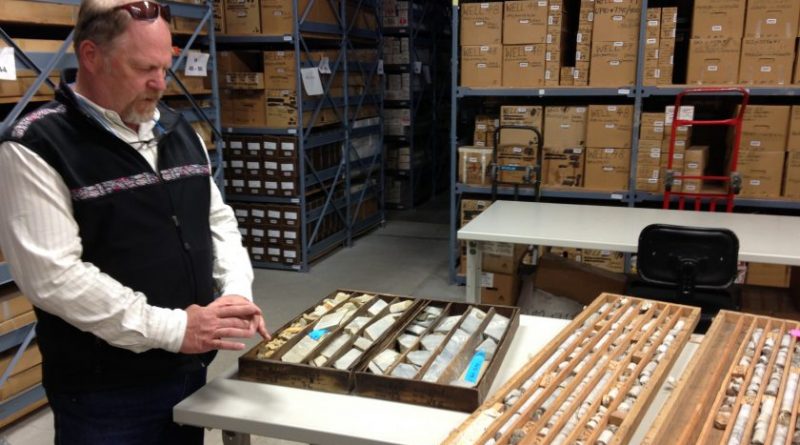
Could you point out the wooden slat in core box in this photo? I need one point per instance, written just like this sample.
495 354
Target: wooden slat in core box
692 413
359 380
592 383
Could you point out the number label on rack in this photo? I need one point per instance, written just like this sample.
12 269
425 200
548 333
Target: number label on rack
196 64
8 66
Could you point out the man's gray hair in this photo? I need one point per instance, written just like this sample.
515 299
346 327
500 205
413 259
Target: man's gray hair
97 23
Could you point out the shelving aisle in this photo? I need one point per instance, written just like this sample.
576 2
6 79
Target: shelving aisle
413 95
305 174
639 91
20 371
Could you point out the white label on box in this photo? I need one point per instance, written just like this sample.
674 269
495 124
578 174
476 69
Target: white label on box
755 182
755 143
611 108
287 185
590 17
253 146
609 150
290 254
312 81
619 44
657 73
524 21
546 77
614 62
652 180
484 6
324 65
271 185
580 109
241 212
772 21
236 145
196 64
270 165
255 184
238 182
555 7
487 279
716 28
550 20
617 18
274 233
713 68
237 163
289 146
273 251
290 215
481 65
257 250
480 127
528 49
274 214
549 39
766 69
270 145
252 165
8 64
523 64
517 149
257 232
472 159
522 110
578 37
542 3
290 234
287 167
480 23
652 23
652 41
692 165
565 125
484 49
608 169
547 56
611 126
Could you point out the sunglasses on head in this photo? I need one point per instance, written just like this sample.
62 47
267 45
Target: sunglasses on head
146 10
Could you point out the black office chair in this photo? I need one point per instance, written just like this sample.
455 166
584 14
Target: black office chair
688 265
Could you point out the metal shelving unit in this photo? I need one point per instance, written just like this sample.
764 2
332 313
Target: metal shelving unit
637 93
417 183
351 168
44 64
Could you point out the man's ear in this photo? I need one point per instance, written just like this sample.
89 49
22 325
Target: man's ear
91 56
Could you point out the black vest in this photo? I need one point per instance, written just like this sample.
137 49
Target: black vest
147 229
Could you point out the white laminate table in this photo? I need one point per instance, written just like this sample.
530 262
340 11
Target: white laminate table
762 238
240 408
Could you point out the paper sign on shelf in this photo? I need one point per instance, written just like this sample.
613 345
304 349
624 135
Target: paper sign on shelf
8 65
325 65
380 67
417 67
196 64
312 81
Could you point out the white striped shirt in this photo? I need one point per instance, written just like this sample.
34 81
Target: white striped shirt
39 238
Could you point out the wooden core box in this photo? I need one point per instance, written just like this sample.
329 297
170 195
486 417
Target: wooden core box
458 379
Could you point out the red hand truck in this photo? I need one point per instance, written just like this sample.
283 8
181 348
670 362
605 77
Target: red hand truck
733 182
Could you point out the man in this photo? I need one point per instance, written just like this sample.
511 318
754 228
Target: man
115 231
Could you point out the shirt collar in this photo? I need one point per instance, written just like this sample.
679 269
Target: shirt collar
113 122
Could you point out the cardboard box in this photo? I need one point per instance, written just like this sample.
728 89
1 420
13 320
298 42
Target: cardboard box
793 141
242 17
524 22
569 253
653 24
718 19
609 126
765 127
619 19
19 382
12 303
791 177
470 208
481 24
576 281
767 61
473 165
277 18
762 173
695 163
772 275
713 61
484 133
280 70
772 19
648 166
652 127
563 167
523 65
519 142
499 288
30 358
482 66
26 11
581 73
613 63
567 76
604 259
565 127
607 169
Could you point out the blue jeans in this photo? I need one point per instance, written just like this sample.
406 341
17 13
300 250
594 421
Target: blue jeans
129 416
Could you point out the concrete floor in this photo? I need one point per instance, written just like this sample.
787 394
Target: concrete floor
407 256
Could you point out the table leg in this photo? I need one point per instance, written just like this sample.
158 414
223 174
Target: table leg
474 260
234 438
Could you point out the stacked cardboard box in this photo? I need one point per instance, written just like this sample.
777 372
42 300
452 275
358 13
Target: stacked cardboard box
683 137
396 121
652 40
397 14
614 61
557 17
564 146
666 45
485 127
765 132
524 50
791 180
608 142
768 48
715 46
583 43
481 44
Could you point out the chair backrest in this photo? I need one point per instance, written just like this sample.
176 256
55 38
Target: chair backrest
688 257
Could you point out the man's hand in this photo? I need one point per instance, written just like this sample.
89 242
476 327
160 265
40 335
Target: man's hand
230 316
